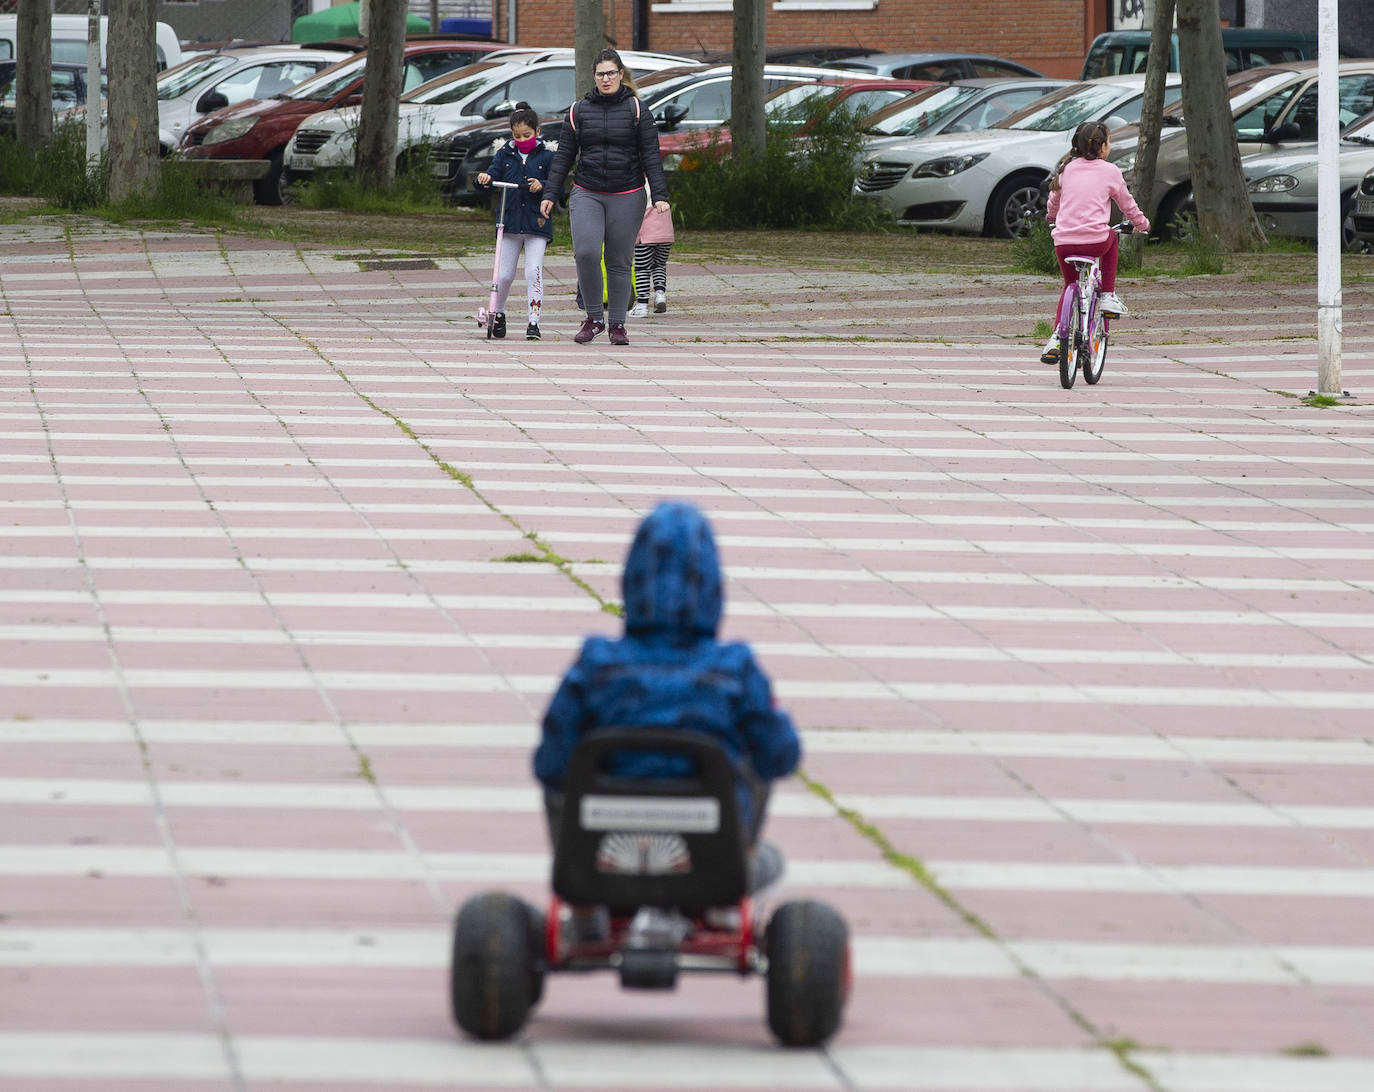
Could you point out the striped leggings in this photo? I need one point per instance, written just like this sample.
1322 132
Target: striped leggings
651 269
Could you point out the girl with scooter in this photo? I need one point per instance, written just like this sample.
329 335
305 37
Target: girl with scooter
523 161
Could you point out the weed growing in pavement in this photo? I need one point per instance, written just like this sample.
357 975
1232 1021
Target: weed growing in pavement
365 769
1034 251
1305 1050
1321 401
524 559
715 190
1043 328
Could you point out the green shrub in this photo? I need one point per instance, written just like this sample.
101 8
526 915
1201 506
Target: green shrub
60 174
1204 253
17 167
798 182
414 189
1034 251
179 197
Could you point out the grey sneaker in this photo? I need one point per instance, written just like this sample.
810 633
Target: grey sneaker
660 302
639 310
1111 305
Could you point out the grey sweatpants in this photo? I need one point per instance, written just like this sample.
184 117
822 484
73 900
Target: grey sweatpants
609 220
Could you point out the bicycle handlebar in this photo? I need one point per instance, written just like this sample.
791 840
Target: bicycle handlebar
1124 228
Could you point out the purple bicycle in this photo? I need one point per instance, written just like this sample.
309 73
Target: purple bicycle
1080 326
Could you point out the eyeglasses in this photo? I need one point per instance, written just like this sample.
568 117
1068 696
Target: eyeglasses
612 74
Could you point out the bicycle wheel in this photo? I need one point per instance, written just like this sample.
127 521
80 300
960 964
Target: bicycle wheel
1070 337
1095 351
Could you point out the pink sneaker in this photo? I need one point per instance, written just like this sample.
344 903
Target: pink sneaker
589 329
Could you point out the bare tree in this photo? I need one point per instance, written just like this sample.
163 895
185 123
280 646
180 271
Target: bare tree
1224 211
377 121
748 127
131 61
33 84
1151 112
589 35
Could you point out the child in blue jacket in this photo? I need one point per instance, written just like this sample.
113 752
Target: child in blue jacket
669 671
525 161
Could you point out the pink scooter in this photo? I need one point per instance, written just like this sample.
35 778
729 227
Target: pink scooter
484 314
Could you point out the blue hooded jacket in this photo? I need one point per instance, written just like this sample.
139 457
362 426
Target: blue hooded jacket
668 670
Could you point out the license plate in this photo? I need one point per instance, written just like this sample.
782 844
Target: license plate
1364 206
302 163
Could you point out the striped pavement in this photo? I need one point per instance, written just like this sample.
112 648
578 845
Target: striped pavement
291 559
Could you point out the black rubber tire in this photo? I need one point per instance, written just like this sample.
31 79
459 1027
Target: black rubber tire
271 188
1171 206
496 976
807 944
1068 348
1095 351
1015 205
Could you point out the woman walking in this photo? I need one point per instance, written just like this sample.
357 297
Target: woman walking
615 145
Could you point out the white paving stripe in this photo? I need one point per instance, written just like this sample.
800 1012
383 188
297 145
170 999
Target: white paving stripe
303 864
876 956
786 803
608 1062
459 735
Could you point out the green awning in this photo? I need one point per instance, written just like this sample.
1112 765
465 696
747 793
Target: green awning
341 21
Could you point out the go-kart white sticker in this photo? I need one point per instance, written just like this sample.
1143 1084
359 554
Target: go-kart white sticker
683 814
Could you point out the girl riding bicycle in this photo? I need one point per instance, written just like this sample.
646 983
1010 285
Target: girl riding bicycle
1082 189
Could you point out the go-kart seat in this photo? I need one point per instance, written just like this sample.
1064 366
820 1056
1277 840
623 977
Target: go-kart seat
627 843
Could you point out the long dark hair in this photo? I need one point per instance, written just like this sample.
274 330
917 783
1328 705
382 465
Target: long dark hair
627 78
1088 140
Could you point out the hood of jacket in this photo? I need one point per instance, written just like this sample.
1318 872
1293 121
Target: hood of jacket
671 584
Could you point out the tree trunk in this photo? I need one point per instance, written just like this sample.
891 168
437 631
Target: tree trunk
131 62
376 156
1151 109
33 84
1224 212
748 126
589 37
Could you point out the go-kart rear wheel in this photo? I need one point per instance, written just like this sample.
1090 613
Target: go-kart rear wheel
497 974
807 944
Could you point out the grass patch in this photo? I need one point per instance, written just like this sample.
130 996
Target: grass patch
525 559
1034 252
1305 1050
1043 328
1320 401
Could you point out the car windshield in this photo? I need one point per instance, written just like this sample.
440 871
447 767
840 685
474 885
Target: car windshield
177 81
1361 130
796 103
1236 87
327 84
1065 109
913 116
452 86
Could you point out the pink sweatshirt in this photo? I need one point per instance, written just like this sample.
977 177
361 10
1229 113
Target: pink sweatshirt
1081 207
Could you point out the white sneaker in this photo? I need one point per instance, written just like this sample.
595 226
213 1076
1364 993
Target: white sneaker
660 302
1050 353
639 310
1110 304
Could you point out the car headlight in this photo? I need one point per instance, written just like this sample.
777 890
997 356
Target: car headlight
947 165
229 130
1273 183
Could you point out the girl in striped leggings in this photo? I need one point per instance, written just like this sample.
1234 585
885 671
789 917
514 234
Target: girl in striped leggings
651 262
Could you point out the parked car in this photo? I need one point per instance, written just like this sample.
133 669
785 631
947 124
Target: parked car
1118 52
489 89
959 107
457 157
1274 108
1362 216
940 67
798 105
258 129
68 90
69 40
212 81
698 96
1283 185
989 180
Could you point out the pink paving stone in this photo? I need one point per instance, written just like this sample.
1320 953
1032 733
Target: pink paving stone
62 702
103 1084
239 902
91 902
1276 784
284 828
1237 847
175 703
1120 780
190 615
250 762
1046 843
1253 1017
92 999
455 767
951 775
135 655
57 823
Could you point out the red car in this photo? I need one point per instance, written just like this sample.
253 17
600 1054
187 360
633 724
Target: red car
258 129
795 104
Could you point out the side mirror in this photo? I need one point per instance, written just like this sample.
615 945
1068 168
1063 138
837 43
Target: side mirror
673 114
1289 130
1116 121
499 109
211 101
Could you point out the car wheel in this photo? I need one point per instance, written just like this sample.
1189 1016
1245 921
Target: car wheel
1175 204
1015 205
1350 242
273 188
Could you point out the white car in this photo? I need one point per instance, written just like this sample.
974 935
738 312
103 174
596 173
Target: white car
487 89
1283 185
988 180
211 81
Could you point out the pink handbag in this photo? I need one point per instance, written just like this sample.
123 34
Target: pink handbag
657 227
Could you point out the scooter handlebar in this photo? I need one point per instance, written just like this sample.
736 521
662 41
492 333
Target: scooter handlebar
505 185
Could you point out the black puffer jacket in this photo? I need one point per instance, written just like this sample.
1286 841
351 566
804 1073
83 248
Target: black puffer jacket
615 143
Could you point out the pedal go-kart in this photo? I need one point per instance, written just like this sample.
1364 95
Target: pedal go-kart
668 862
